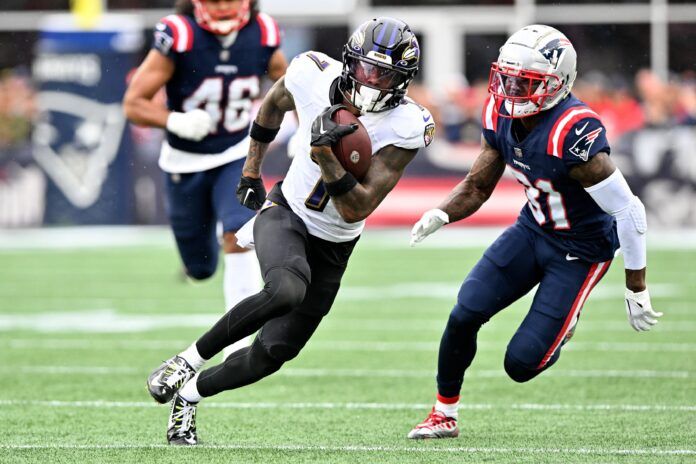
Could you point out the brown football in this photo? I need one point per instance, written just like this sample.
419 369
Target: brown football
354 151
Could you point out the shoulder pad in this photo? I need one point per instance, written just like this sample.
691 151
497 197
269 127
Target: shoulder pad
304 72
413 124
174 33
489 114
574 124
270 32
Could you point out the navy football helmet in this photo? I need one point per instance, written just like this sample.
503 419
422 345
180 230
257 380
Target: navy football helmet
380 60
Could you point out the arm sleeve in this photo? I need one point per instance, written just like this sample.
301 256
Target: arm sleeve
583 140
614 196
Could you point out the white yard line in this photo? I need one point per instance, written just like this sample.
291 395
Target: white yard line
362 406
392 238
112 321
102 344
374 449
373 373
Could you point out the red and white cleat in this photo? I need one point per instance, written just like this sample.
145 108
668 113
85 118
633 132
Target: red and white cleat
436 425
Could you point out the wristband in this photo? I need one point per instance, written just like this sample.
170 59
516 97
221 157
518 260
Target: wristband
343 185
262 134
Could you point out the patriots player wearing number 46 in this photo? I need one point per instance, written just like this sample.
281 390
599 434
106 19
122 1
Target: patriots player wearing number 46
210 56
310 222
579 210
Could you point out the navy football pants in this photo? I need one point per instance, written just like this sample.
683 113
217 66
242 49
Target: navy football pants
516 262
196 202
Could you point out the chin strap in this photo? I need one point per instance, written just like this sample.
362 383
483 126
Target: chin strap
367 98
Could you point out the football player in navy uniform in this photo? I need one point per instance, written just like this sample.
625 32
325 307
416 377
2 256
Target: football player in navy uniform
579 210
210 56
309 224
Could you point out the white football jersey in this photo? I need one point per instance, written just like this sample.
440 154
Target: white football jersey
308 79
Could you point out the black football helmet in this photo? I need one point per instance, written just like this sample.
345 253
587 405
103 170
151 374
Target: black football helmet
380 60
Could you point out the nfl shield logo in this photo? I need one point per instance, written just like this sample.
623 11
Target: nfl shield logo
518 152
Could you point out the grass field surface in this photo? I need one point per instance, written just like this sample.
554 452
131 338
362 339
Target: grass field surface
80 329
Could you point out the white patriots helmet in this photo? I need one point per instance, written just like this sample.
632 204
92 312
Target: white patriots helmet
535 70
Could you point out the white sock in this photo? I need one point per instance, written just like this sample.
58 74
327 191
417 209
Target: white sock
189 391
193 357
242 278
449 410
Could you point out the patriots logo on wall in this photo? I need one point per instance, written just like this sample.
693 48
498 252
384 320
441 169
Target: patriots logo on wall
553 51
75 141
581 148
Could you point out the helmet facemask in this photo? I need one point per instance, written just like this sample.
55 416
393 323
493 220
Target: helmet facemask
371 85
535 71
222 22
380 60
525 92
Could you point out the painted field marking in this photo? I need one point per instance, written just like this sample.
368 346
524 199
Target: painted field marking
104 344
363 406
373 373
109 237
111 321
373 449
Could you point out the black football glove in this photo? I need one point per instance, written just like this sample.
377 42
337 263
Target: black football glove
325 132
251 192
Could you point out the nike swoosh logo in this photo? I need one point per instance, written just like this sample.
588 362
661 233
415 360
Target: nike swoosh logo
246 197
321 127
571 258
580 131
426 119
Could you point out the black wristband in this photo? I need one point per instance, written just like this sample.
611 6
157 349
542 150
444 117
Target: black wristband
343 185
262 134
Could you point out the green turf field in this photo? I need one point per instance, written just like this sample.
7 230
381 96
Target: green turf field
81 329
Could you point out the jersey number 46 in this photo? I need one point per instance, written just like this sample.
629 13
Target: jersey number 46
210 96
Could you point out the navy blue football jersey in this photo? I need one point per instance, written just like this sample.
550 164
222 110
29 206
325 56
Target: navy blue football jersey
568 134
213 75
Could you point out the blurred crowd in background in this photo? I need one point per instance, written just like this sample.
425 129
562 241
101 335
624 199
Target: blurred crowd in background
18 110
624 106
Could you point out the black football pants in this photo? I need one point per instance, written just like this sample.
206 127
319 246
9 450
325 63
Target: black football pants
302 275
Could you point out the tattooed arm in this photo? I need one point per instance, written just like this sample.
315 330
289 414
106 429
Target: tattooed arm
387 166
468 196
277 102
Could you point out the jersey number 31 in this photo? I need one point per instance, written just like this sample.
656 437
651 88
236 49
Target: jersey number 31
554 201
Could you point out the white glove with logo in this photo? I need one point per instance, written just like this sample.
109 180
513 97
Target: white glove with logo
192 125
640 312
428 223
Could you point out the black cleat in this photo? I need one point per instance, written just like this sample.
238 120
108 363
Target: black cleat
181 429
167 379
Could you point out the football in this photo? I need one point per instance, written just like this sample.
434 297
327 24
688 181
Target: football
354 151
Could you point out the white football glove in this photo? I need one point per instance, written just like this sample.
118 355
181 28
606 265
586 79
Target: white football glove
640 312
192 125
428 223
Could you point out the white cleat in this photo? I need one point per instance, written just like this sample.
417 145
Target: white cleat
436 425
